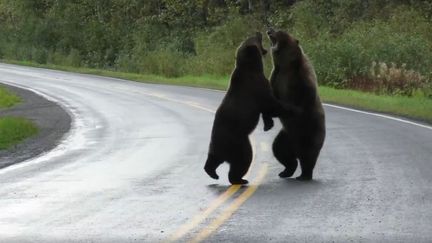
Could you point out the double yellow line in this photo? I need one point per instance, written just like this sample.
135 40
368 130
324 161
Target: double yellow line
229 211
224 215
184 229
219 201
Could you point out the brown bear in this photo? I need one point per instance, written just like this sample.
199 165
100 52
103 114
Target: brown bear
294 82
249 94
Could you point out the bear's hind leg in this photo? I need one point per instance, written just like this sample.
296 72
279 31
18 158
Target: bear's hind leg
240 164
284 153
211 165
307 163
236 173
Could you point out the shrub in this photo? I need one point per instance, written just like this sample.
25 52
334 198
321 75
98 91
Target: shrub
389 79
164 62
175 38
342 60
215 48
73 58
39 55
125 62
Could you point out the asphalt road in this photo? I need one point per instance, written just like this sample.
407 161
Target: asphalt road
130 170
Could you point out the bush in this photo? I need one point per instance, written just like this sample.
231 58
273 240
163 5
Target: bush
341 60
389 79
73 58
125 62
175 38
168 63
215 48
39 55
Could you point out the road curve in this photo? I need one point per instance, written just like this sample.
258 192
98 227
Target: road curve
130 170
53 123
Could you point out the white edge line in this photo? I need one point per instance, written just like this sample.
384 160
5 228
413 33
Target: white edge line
337 107
380 115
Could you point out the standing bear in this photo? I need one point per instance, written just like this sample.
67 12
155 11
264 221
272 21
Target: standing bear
294 82
249 94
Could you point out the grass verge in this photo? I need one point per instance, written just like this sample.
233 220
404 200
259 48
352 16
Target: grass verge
207 81
419 108
7 99
13 130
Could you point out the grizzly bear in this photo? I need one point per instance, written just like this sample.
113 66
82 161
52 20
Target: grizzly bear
294 82
249 95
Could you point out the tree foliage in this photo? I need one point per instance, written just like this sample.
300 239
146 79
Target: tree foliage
178 37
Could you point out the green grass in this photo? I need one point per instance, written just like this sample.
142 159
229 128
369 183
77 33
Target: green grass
13 130
207 81
7 99
418 107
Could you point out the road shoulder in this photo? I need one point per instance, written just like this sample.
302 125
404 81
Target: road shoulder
51 119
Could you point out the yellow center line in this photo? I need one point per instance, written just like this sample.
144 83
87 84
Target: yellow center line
183 230
193 104
229 211
226 214
189 103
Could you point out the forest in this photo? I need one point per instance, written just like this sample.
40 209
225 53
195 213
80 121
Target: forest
379 46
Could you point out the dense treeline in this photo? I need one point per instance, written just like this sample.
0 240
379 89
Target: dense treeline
375 45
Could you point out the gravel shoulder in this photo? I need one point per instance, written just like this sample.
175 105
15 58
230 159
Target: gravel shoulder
51 119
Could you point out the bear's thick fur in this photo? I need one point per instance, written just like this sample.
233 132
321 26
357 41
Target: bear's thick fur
294 82
249 94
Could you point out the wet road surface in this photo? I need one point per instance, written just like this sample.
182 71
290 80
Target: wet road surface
130 170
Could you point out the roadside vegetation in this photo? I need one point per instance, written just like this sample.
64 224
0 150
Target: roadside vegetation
7 99
13 130
416 106
380 49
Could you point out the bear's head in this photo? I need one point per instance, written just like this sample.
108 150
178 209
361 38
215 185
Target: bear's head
285 48
250 52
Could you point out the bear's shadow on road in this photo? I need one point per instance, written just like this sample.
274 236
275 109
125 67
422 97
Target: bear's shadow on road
294 181
292 185
218 189
276 184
